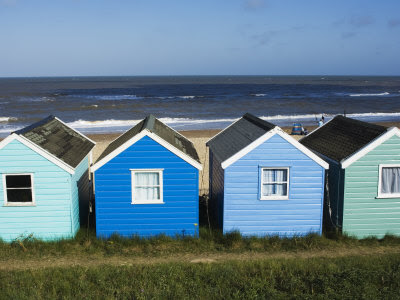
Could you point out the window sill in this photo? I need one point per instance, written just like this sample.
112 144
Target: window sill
147 202
18 205
274 198
387 197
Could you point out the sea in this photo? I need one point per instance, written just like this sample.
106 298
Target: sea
114 104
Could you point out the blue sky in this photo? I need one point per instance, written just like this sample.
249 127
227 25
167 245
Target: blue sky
208 37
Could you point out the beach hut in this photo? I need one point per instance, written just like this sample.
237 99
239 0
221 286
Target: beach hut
363 196
264 182
147 183
44 171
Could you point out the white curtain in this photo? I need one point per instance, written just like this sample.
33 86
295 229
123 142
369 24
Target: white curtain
147 186
268 176
390 180
280 188
271 177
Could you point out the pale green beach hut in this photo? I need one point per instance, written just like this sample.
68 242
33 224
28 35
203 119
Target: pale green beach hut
362 197
44 174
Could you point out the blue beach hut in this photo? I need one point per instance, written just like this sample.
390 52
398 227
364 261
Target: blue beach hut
147 183
264 182
44 174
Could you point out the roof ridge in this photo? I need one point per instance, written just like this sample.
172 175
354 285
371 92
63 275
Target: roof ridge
361 123
34 125
258 121
149 123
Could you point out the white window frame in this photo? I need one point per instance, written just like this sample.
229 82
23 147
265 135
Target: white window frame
6 203
380 194
287 186
160 174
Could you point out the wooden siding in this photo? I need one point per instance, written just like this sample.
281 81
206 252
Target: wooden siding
216 191
364 214
299 215
50 218
178 215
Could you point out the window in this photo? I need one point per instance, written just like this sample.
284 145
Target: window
147 186
274 183
389 181
18 189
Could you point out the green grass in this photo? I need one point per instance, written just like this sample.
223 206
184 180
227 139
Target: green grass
368 277
208 242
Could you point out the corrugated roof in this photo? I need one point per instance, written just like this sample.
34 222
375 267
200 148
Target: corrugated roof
342 137
155 126
238 135
58 139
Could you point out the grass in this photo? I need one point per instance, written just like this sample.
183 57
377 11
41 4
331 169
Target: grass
313 266
208 242
367 277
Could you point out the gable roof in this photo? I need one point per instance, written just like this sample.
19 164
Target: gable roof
246 134
156 130
341 137
55 141
238 135
60 140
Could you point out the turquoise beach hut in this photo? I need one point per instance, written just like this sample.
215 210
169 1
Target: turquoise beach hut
363 196
264 182
44 172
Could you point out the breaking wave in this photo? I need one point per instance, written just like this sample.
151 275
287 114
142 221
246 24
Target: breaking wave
370 94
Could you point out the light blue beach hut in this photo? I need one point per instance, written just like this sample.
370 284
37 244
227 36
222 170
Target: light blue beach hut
44 172
264 182
147 183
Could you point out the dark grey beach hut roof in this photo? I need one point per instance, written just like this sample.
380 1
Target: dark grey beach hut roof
58 139
341 137
155 126
238 135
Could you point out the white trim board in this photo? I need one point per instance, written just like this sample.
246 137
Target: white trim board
266 137
136 138
346 162
58 162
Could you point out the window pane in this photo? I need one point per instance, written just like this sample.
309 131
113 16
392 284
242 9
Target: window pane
147 193
268 189
18 181
274 175
147 178
281 189
390 180
274 189
23 195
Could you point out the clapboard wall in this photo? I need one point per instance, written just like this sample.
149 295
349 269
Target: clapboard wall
115 213
53 215
363 213
299 215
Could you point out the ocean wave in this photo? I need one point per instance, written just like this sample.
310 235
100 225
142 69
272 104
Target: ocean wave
258 95
186 97
37 99
370 94
188 121
124 123
8 119
110 97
